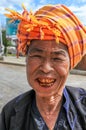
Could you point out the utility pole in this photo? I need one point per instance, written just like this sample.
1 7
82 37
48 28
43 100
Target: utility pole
1 43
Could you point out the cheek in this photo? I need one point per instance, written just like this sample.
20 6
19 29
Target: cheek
63 69
31 67
29 72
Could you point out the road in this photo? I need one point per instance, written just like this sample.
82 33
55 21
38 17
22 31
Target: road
13 82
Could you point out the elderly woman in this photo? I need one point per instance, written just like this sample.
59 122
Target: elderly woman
54 41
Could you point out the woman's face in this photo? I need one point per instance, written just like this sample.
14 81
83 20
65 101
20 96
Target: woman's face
47 67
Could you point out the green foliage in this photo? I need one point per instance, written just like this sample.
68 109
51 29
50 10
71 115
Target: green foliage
6 42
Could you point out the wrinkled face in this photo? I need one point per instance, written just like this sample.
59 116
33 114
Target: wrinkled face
47 67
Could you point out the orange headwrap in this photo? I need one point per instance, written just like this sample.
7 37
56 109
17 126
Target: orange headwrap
52 22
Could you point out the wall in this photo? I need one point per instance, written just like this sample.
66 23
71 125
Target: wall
82 64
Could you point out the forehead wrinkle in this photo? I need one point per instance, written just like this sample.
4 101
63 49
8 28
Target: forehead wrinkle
53 51
58 52
34 50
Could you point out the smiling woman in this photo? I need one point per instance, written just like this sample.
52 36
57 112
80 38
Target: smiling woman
54 41
46 62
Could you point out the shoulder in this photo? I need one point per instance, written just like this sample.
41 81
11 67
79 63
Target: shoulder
78 97
15 107
76 92
21 100
77 101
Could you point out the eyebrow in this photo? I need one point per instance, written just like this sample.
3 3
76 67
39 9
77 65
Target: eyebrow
34 50
60 52
55 52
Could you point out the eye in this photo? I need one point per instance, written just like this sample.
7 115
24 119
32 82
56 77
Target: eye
57 59
35 56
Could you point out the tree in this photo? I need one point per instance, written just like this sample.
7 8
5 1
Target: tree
6 42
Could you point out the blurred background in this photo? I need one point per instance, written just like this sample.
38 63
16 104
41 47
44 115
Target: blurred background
13 80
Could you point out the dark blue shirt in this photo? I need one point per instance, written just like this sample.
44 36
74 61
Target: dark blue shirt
22 114
37 122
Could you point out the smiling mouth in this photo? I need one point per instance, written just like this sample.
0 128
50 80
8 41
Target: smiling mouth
46 82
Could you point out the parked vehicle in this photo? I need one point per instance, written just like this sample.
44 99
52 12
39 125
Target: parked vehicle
11 50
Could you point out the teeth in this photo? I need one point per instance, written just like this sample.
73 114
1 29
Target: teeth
46 80
46 85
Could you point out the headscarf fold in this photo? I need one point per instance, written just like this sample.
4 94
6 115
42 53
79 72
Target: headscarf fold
52 22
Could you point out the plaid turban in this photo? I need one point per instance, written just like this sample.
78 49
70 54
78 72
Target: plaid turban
52 22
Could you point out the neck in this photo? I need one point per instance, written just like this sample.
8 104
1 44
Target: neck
49 108
49 105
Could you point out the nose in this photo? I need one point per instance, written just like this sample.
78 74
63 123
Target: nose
46 66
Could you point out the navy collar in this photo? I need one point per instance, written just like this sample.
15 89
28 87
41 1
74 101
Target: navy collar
67 100
70 111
